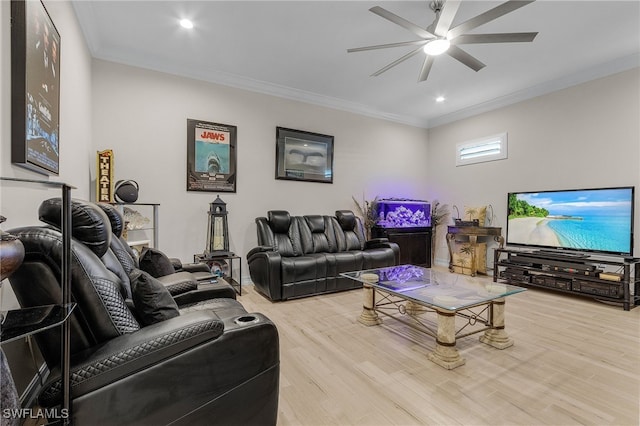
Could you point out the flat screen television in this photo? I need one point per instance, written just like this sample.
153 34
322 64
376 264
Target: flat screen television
596 220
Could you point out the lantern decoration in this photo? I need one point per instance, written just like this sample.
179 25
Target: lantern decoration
218 230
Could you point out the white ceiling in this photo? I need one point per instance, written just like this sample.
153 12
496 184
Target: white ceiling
298 50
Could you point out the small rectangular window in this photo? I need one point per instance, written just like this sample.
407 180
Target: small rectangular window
480 150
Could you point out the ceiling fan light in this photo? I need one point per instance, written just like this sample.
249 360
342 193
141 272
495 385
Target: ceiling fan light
437 46
186 23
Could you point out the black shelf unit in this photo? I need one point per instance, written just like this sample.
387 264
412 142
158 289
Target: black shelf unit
576 275
153 227
414 243
212 260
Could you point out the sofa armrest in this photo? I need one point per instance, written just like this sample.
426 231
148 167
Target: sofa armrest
179 282
384 243
99 366
195 267
259 249
375 242
176 263
194 377
265 268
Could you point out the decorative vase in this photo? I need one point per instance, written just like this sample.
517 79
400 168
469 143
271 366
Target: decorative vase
11 256
11 252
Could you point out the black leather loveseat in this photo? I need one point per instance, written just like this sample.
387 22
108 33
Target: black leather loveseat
304 255
217 364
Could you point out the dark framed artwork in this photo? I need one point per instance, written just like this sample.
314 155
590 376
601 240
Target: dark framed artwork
304 156
211 156
35 88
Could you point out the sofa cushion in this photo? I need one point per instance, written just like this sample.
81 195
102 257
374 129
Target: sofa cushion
303 268
317 240
285 233
89 224
279 220
346 261
115 218
155 263
349 232
152 300
315 223
346 219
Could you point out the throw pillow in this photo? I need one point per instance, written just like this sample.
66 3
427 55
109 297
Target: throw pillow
471 213
155 262
151 299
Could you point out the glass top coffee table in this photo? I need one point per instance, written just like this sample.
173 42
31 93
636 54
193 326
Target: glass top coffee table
407 292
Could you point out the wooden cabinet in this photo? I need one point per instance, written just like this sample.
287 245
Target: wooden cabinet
472 233
414 243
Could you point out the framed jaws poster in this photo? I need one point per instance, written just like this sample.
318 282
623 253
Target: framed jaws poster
211 156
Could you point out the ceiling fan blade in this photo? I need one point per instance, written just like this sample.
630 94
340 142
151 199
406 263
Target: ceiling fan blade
397 61
386 46
494 38
426 68
445 19
420 32
456 53
487 16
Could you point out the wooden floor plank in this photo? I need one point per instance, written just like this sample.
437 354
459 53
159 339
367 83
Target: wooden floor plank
575 361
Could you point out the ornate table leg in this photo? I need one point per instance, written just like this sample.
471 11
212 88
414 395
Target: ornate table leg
450 239
446 355
473 242
369 316
496 336
412 308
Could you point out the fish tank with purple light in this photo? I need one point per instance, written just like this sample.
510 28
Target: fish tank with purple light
403 213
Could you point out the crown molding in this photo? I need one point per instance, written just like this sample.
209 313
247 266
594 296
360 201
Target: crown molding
583 76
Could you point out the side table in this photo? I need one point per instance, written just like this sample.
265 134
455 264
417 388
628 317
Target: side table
472 232
212 260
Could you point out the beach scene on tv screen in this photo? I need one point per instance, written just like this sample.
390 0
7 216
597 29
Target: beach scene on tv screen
597 220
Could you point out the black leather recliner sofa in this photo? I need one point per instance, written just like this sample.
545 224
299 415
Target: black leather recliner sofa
304 255
218 365
183 285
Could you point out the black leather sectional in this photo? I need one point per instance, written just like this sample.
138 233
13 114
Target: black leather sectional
304 255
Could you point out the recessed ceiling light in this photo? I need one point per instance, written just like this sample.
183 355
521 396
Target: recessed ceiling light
185 23
440 99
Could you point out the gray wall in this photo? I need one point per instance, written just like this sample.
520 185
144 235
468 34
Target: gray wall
19 202
142 115
585 136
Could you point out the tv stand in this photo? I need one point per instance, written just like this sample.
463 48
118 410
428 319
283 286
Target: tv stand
613 280
554 253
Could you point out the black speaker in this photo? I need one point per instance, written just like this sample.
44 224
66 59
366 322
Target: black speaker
126 191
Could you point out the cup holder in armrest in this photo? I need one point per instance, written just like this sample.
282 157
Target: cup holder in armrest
246 319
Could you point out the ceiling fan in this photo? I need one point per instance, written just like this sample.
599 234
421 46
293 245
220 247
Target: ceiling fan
440 38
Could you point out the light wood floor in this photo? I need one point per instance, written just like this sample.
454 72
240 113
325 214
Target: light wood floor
575 361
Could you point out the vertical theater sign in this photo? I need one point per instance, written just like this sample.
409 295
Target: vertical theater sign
104 176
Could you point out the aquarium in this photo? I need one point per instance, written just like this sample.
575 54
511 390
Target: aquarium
403 213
